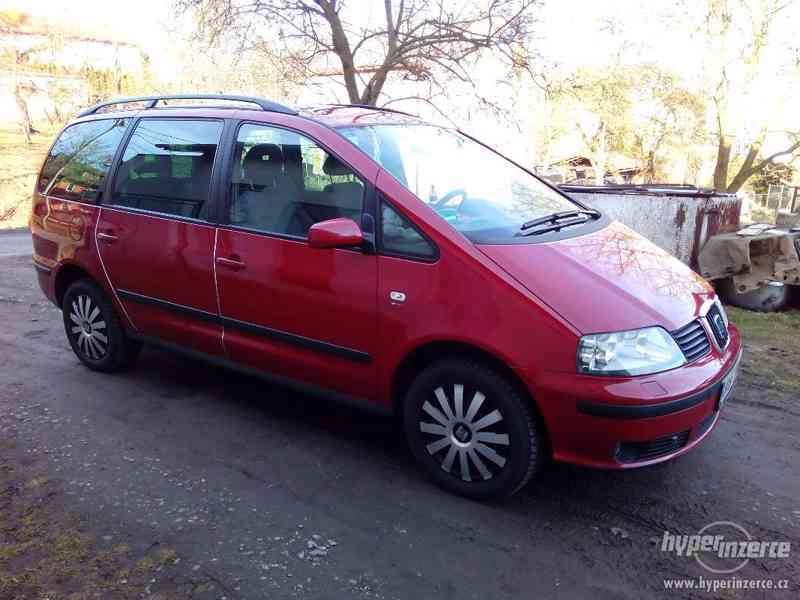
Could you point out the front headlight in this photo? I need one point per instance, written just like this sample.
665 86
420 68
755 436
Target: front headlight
635 352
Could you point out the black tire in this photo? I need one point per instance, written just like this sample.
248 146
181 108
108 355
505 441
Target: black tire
94 330
769 298
517 438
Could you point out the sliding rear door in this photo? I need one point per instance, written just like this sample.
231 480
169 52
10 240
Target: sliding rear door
154 237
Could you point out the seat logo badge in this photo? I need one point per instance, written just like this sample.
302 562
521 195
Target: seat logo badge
719 324
397 296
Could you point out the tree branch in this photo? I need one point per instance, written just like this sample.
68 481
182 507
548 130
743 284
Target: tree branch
419 37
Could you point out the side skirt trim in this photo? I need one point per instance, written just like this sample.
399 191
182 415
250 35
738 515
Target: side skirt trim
195 313
276 334
298 340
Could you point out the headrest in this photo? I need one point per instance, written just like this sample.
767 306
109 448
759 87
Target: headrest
292 155
262 163
332 166
261 153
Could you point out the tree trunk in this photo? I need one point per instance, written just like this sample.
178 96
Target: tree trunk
598 162
750 167
373 89
600 172
600 157
746 171
342 48
723 162
650 171
25 121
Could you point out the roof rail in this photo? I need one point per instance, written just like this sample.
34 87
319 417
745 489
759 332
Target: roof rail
370 107
152 101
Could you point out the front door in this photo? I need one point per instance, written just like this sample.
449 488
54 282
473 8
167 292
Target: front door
154 239
303 313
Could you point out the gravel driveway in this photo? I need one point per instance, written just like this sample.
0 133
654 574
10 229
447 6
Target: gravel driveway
180 480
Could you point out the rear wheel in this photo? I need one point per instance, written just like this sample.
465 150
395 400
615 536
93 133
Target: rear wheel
471 430
94 330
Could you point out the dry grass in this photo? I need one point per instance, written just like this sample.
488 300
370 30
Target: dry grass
19 166
772 345
46 553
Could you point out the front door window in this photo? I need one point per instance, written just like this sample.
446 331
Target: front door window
283 183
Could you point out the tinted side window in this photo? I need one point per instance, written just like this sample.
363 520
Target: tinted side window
79 161
399 236
283 182
166 167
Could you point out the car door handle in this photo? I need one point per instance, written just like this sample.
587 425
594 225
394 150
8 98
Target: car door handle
231 263
108 238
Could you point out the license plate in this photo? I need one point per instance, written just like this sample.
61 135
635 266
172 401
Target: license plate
728 383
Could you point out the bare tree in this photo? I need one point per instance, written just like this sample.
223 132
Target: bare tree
23 91
421 40
736 67
18 60
753 163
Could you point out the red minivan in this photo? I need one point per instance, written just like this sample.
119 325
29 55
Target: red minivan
387 260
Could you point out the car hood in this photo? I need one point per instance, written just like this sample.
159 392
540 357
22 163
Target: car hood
608 280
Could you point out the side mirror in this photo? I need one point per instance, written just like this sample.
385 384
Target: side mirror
335 233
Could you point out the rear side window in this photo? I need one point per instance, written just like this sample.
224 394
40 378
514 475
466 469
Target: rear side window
80 159
166 167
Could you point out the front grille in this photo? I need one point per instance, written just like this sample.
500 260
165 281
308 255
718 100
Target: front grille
692 340
639 451
717 323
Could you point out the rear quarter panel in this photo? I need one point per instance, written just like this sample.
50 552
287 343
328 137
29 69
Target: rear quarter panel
63 235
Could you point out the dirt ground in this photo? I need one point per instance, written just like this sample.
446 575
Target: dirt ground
178 480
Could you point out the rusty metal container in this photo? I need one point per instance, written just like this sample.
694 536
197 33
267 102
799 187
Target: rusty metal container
678 218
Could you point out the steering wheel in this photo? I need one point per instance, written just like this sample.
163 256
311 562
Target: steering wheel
449 195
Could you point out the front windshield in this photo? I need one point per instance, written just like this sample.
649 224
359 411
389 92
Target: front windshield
477 191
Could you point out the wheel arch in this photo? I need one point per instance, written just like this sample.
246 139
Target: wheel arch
66 275
428 353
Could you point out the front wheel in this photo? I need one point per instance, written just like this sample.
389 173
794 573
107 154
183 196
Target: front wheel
471 430
94 330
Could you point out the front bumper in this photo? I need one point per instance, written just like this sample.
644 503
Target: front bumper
622 423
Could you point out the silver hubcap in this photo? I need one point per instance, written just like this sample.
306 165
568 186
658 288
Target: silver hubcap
88 327
458 432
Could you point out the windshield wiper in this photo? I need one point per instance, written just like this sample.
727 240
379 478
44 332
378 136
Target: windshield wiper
564 214
558 220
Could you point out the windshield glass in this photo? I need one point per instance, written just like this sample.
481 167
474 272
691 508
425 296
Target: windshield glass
477 191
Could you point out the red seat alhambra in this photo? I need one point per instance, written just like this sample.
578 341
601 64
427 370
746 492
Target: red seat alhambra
382 259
